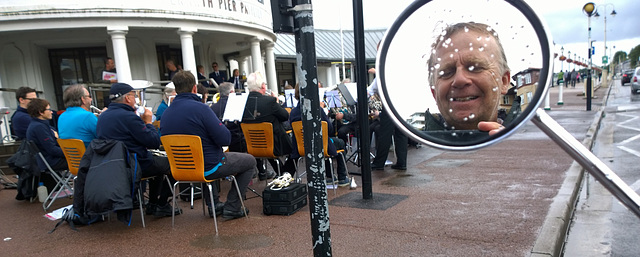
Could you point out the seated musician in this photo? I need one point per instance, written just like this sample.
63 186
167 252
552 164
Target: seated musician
44 135
334 142
265 108
120 122
77 122
188 115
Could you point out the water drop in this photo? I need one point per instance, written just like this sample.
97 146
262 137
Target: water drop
433 51
471 116
492 55
437 66
489 28
471 68
452 127
465 119
487 38
433 87
495 89
470 48
470 44
450 110
527 46
448 41
439 59
451 55
454 134
450 99
455 50
466 29
495 34
479 38
441 73
481 49
485 45
432 68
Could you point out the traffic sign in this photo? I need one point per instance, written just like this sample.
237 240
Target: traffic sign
605 59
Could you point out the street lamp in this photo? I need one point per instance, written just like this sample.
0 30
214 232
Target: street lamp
613 14
560 101
588 9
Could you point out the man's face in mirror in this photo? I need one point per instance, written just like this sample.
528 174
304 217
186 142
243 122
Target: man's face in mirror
468 75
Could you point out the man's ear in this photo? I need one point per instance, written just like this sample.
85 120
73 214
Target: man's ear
504 87
194 89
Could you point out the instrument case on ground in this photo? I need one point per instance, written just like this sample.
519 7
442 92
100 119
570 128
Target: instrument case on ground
285 201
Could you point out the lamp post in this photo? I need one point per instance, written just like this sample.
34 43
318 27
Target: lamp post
613 14
588 9
560 102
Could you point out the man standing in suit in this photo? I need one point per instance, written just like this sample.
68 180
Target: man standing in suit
236 80
265 108
217 75
201 78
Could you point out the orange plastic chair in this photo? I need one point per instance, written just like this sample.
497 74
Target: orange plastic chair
187 166
259 138
298 132
73 150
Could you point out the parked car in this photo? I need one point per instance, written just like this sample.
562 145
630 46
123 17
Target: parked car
626 76
635 81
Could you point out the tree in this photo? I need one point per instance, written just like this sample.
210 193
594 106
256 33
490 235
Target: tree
619 57
633 56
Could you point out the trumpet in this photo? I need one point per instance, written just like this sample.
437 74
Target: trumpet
95 109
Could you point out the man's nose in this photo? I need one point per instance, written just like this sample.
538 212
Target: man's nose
461 78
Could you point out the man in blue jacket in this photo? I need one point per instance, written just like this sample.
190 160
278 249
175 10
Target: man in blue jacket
121 123
188 115
20 119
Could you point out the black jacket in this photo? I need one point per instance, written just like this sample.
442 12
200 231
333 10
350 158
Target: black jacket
106 179
261 108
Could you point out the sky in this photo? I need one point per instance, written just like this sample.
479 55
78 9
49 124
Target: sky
566 22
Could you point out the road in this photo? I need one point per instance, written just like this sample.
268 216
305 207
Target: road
601 225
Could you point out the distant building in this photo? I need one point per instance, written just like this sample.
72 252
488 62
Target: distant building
526 84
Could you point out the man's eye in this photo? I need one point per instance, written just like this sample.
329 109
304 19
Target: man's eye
445 73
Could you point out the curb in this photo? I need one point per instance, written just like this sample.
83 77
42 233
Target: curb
554 230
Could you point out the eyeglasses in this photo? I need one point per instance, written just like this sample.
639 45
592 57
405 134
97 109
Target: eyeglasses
48 110
29 98
88 96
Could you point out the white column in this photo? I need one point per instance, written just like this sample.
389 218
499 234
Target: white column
245 66
272 78
188 53
256 56
120 54
233 64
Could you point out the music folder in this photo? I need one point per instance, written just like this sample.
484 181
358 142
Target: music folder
235 107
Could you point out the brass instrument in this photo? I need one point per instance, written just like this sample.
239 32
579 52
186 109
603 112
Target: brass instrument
375 105
344 109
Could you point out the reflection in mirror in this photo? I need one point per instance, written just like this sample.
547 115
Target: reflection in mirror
456 73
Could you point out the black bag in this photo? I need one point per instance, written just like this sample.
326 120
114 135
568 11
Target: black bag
285 201
24 163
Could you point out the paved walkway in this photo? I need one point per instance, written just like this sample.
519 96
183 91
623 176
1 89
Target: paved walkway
495 201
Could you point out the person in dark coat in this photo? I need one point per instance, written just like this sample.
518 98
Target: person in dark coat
20 119
44 135
238 143
120 122
217 75
265 108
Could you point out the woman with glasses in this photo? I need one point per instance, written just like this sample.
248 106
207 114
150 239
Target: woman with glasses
44 135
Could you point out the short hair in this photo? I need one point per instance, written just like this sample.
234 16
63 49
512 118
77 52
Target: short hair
168 91
214 63
72 96
225 88
255 81
183 81
201 89
36 107
22 92
466 26
119 99
107 59
199 66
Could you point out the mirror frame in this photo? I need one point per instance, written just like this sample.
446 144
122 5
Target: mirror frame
420 136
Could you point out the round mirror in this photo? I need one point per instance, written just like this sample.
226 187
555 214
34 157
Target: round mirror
460 75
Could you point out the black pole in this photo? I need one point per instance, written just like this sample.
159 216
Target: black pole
589 86
307 79
363 106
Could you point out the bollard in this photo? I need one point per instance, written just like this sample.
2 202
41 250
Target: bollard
560 102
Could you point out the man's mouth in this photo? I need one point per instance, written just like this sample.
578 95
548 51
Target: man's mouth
464 99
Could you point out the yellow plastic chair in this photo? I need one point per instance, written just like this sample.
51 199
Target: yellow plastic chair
259 138
298 132
187 166
73 150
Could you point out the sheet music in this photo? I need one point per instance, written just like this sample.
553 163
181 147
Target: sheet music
353 89
290 99
235 107
333 99
108 75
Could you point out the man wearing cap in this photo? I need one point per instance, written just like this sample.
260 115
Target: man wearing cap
121 123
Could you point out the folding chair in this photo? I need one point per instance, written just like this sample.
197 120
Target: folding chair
259 138
62 180
187 166
298 132
73 150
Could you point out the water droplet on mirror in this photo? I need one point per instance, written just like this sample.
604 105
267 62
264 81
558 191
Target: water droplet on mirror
441 73
432 68
437 66
479 38
489 28
485 45
471 68
450 110
454 134
465 119
495 89
433 51
481 49
527 46
470 48
451 55
450 99
448 41
492 55
495 34
439 59
487 38
470 44
471 116
452 127
455 50
466 29
433 87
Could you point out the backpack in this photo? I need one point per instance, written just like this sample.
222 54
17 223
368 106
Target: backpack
24 163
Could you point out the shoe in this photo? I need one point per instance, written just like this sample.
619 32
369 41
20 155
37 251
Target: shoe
329 181
375 167
166 211
150 209
344 182
267 175
398 167
219 209
229 215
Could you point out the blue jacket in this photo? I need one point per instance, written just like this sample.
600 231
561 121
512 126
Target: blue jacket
161 108
20 122
188 115
41 133
121 123
78 123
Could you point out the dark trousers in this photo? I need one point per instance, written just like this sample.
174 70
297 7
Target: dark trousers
159 190
383 142
242 166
